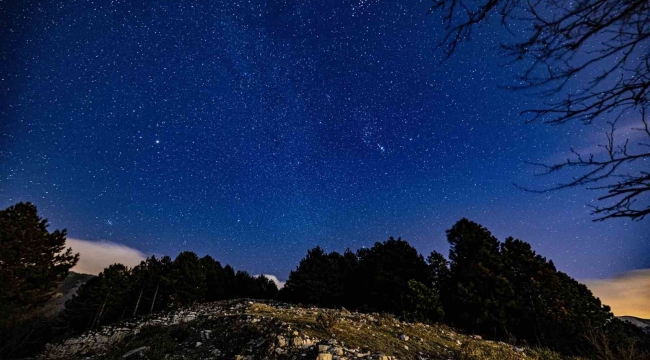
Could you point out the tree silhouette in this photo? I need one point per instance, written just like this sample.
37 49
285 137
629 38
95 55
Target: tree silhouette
589 60
102 300
33 264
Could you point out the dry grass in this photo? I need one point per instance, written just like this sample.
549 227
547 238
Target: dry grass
376 333
327 321
381 333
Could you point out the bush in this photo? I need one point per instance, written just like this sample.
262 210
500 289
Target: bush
327 320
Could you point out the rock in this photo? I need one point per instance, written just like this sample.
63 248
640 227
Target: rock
205 334
135 351
404 337
476 337
282 342
324 357
296 341
518 349
337 351
198 343
216 352
323 348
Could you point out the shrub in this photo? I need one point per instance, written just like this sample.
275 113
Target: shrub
327 320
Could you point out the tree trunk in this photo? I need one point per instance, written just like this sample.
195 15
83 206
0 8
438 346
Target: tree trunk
154 298
138 302
101 310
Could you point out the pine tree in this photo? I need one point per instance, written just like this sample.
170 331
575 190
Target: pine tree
310 282
479 293
214 279
188 279
33 264
423 303
102 300
438 271
386 269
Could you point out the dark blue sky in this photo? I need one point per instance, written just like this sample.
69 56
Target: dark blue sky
253 131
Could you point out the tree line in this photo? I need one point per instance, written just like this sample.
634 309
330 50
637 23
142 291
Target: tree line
501 290
154 285
34 263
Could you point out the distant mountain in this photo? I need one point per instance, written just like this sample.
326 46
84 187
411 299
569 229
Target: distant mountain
67 289
642 323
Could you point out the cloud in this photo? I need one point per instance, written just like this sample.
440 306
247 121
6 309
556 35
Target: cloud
278 283
626 294
95 256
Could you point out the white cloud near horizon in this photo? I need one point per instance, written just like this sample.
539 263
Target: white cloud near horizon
278 283
94 256
627 293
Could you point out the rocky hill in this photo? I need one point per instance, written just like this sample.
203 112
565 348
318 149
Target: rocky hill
644 324
248 330
65 292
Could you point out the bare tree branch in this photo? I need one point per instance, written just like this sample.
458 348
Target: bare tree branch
603 47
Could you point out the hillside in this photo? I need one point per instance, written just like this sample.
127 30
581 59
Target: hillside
246 329
644 324
67 289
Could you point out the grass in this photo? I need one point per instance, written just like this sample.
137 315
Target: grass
252 330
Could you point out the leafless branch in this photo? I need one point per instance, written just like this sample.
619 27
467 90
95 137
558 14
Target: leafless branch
603 46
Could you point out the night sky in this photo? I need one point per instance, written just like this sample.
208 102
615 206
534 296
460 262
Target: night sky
253 131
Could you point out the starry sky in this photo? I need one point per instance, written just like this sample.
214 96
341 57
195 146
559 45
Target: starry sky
253 131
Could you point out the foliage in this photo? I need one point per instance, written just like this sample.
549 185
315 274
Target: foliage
101 300
322 279
479 291
500 290
503 290
33 264
187 279
154 285
423 303
386 269
439 273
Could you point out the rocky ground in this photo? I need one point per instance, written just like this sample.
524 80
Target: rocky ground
248 330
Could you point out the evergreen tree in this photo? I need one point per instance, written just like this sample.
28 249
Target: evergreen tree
188 279
438 271
164 284
229 282
102 300
312 281
423 303
549 307
214 279
478 293
386 269
146 279
33 264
